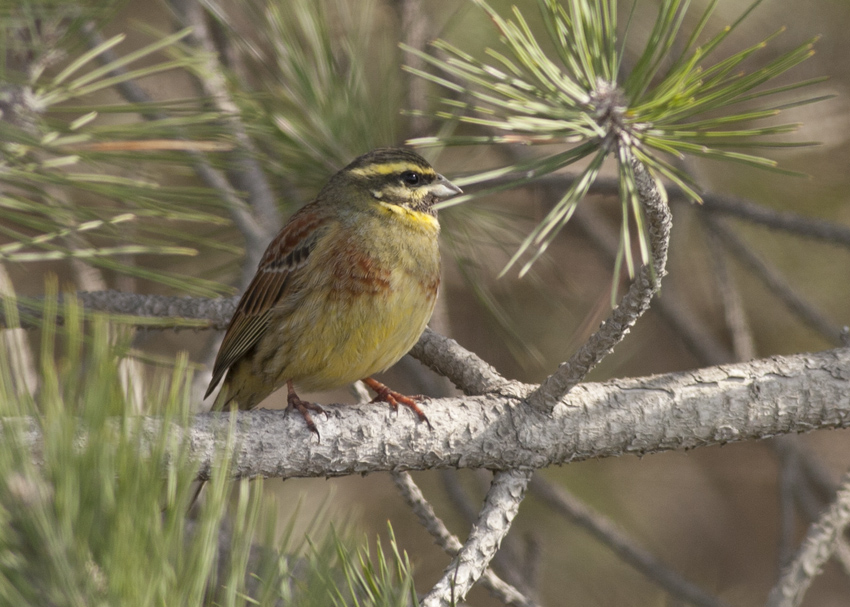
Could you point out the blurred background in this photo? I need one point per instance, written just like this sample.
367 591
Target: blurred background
315 84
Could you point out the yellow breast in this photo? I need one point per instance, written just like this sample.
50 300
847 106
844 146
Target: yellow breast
368 305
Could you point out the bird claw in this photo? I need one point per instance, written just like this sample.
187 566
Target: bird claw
386 398
304 407
394 399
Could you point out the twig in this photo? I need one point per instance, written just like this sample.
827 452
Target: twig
771 277
464 368
817 547
472 560
448 542
670 307
414 28
457 496
792 223
815 472
532 568
250 176
812 508
610 535
691 330
213 313
256 237
743 344
633 305
789 477
507 561
128 89
811 479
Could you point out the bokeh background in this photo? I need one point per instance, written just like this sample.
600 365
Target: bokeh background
723 517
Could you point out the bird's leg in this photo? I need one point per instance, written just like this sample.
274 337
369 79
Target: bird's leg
303 407
393 398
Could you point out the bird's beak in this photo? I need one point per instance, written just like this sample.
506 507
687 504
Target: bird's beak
443 188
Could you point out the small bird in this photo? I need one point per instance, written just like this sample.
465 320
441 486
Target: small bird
343 291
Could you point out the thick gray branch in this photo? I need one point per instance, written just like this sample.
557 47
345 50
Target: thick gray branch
709 406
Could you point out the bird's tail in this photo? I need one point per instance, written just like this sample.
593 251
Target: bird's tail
242 389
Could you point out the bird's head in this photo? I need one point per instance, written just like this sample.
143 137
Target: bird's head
396 176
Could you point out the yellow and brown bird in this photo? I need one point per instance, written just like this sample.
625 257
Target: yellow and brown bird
343 291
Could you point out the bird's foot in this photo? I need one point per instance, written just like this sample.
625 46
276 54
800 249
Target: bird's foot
304 407
394 399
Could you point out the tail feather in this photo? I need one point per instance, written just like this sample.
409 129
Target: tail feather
243 389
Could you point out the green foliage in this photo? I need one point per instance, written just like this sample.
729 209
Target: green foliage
86 178
325 85
383 582
353 577
578 98
71 188
99 516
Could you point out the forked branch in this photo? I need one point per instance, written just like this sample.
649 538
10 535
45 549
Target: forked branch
508 489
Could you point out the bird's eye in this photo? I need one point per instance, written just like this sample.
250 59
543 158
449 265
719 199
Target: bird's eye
411 177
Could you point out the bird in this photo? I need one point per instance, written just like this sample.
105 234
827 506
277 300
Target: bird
343 291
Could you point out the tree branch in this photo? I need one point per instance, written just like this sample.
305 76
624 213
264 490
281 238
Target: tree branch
511 563
508 489
685 410
610 535
821 541
212 313
449 542
465 369
681 318
737 324
772 278
633 305
784 221
249 175
499 509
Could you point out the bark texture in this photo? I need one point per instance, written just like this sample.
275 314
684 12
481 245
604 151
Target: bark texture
710 406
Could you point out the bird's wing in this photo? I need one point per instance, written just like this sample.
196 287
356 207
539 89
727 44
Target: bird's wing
285 255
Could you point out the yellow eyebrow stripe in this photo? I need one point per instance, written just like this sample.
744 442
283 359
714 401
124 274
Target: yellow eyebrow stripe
390 168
